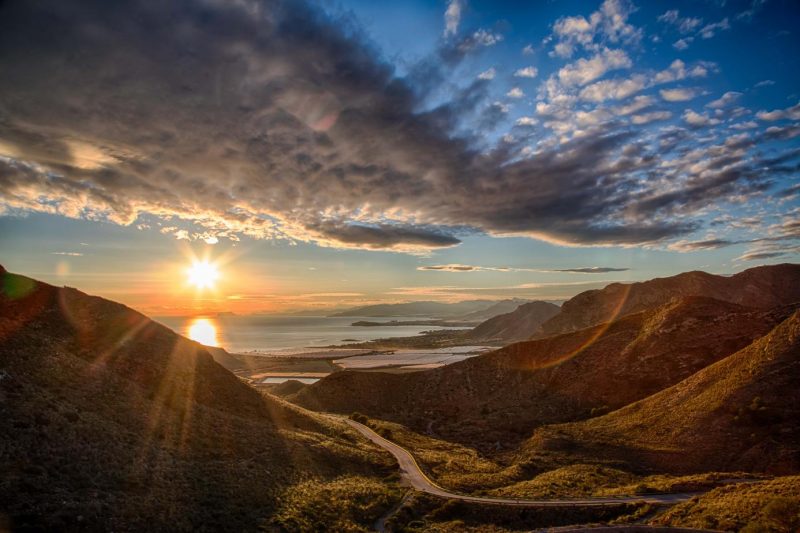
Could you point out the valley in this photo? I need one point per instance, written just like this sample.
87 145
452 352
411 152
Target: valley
651 418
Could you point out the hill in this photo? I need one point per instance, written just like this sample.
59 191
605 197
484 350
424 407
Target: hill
514 326
424 309
500 308
740 413
761 287
495 400
111 421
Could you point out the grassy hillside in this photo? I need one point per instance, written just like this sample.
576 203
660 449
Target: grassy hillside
495 400
739 414
761 287
768 506
111 421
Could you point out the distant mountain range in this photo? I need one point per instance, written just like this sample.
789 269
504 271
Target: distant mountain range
514 325
467 310
655 342
760 287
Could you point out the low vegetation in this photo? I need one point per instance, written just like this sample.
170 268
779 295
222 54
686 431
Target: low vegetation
112 422
767 506
346 504
424 513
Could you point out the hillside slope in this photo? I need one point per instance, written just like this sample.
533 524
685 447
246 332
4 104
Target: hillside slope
494 400
761 287
111 421
500 308
514 326
740 413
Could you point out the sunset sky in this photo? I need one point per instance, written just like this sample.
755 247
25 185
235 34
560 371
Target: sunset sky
336 153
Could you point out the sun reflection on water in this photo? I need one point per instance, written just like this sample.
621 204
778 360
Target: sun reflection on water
204 331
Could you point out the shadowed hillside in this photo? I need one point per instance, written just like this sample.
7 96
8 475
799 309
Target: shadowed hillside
500 308
496 399
738 414
113 422
514 326
761 287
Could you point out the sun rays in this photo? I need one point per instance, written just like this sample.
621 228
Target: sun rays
202 274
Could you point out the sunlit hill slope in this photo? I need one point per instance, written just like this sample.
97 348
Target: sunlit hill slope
111 421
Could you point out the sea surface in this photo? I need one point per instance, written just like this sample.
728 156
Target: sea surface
267 333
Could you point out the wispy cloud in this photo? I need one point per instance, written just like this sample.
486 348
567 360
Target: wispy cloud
452 17
472 268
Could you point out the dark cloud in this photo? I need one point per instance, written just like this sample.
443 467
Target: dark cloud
473 268
466 268
592 270
272 119
383 236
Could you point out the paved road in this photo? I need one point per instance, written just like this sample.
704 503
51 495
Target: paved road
411 472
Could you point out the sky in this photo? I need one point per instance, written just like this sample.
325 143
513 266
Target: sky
339 153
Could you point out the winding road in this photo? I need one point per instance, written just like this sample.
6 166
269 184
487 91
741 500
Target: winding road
413 474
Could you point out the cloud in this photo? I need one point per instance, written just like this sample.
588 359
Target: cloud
515 92
707 244
682 44
609 24
687 25
790 113
613 89
463 268
754 256
677 95
592 270
764 83
73 254
725 100
678 71
486 38
526 72
488 74
526 121
380 236
471 268
646 118
634 105
527 50
710 30
273 120
682 24
584 71
452 17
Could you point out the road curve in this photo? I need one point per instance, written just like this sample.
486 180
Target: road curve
413 474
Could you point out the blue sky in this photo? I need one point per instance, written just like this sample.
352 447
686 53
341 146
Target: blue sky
348 152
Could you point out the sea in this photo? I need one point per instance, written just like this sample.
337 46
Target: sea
270 333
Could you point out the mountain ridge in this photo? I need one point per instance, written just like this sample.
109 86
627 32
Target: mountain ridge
739 413
501 396
760 287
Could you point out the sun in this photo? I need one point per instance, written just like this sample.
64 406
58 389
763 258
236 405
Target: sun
202 274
